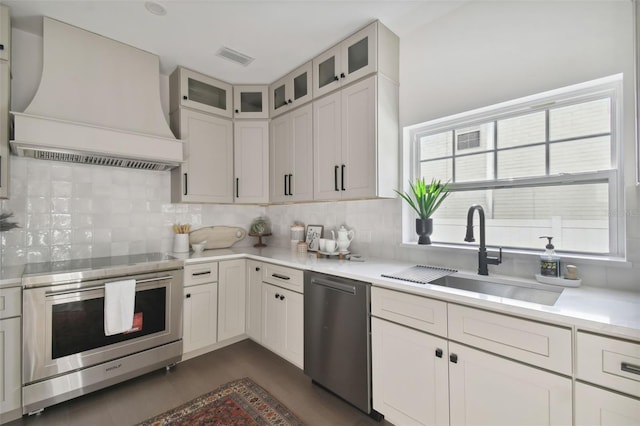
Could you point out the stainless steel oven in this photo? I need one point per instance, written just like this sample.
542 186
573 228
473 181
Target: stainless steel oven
65 350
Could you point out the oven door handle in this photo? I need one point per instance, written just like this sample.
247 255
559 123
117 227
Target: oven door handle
99 287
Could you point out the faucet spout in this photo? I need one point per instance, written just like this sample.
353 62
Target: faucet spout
483 258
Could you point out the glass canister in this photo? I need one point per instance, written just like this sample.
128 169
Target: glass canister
297 232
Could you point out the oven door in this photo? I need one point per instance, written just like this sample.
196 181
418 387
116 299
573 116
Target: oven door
64 324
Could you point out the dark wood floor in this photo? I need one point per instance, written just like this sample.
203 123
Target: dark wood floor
146 396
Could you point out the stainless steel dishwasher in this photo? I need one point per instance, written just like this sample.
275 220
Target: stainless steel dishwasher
337 337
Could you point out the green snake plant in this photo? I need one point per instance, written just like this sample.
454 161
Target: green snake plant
427 197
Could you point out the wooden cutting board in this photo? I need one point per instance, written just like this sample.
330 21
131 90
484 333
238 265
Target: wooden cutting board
217 236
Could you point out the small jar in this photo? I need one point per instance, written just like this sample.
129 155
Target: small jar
302 247
297 233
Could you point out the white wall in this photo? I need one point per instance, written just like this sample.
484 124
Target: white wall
481 53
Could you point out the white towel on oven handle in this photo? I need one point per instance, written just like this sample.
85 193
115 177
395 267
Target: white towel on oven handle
119 301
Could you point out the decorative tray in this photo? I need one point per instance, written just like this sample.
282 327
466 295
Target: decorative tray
217 237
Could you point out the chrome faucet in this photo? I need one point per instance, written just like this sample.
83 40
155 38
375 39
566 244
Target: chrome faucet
483 258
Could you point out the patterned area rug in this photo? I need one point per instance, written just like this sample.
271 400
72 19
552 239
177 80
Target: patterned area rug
241 402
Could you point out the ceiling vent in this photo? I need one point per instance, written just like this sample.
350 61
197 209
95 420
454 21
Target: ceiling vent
234 56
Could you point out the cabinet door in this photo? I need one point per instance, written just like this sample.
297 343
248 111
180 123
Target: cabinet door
278 96
299 85
358 167
272 318
4 128
326 71
5 33
595 406
207 173
301 154
292 305
410 375
10 380
327 134
486 389
359 54
250 102
253 317
231 298
204 93
251 158
280 162
200 316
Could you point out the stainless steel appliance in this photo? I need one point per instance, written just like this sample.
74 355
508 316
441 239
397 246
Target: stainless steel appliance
65 350
337 337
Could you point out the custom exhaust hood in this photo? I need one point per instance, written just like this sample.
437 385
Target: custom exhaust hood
98 103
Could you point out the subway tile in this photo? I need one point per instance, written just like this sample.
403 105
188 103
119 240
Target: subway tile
61 189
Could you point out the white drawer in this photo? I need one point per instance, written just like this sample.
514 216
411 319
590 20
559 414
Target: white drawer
293 279
414 311
10 302
539 344
200 273
609 362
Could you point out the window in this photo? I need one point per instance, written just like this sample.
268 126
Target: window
541 165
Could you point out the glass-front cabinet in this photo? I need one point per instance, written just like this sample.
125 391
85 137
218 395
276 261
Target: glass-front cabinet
292 90
5 33
352 59
250 102
201 92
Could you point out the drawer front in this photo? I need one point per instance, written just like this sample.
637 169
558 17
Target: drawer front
293 279
10 302
543 345
200 273
609 362
414 311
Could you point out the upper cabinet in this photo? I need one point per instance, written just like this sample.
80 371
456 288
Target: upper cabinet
198 91
251 161
250 102
5 98
372 49
5 33
292 90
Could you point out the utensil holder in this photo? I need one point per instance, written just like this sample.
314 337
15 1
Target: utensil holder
181 243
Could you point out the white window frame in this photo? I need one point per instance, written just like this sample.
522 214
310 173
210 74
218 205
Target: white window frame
608 86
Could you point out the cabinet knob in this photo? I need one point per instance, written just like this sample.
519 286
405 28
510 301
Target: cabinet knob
1 46
289 101
257 269
277 296
188 296
342 75
335 78
453 358
439 353
185 97
281 297
237 111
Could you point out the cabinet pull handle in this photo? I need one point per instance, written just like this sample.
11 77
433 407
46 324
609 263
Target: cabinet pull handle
453 358
290 190
342 75
282 277
630 368
285 185
237 187
342 177
185 184
188 296
335 178
196 274
439 353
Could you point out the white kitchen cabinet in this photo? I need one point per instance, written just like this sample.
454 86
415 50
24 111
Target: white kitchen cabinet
206 175
599 407
5 98
253 317
487 389
291 155
372 49
410 375
200 309
251 161
356 141
10 354
231 298
250 102
291 91
282 323
194 90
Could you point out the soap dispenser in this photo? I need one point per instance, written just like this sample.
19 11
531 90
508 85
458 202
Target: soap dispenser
549 261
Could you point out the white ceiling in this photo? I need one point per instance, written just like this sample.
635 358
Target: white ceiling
280 35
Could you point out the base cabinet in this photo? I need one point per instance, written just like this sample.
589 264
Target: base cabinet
253 317
282 323
200 316
599 407
10 380
231 298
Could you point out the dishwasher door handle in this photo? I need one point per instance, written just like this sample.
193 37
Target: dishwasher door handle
343 287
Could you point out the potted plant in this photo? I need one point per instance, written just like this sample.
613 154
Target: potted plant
428 198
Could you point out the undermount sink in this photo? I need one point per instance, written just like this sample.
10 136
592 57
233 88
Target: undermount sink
542 296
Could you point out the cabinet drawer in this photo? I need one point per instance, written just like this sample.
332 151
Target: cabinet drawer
293 279
10 302
543 345
200 273
609 362
414 311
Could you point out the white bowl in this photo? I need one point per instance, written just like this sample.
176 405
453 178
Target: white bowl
198 247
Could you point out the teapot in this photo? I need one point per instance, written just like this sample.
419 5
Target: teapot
344 238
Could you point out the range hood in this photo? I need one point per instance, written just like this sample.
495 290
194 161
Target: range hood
98 103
